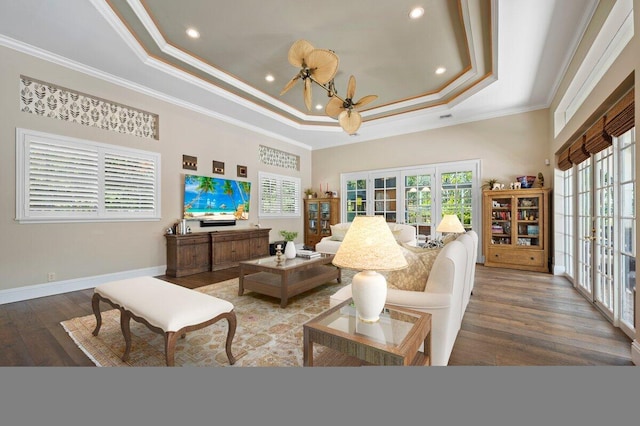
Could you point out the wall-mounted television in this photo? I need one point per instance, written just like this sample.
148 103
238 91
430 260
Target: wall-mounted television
209 199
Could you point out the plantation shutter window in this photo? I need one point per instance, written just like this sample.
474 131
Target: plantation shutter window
61 179
129 184
279 196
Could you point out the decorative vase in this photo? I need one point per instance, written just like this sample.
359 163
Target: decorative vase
290 250
369 292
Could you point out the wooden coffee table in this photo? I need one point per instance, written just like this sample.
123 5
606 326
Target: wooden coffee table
394 340
291 277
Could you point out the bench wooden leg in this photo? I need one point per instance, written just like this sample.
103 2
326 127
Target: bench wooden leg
125 320
231 319
95 304
170 339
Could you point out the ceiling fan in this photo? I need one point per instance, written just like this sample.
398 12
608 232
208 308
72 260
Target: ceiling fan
345 110
320 66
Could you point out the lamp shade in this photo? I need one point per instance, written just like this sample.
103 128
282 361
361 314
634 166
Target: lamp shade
369 245
450 223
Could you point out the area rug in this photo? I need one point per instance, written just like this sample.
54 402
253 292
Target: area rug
266 334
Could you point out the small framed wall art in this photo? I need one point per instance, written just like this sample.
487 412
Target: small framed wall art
218 167
242 171
189 162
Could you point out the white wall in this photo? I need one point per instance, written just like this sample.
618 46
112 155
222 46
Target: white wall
76 251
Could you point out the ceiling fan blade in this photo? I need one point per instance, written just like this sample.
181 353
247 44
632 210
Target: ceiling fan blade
351 87
307 93
290 84
323 64
350 121
298 51
365 100
334 107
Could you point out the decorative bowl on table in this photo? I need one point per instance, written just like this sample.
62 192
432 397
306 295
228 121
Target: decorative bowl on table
526 181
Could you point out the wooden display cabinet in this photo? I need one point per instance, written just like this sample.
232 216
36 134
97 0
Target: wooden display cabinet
319 215
516 228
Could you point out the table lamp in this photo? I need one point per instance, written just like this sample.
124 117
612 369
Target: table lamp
450 224
369 246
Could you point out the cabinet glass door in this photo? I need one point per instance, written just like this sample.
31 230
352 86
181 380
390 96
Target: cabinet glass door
528 216
312 218
325 218
501 221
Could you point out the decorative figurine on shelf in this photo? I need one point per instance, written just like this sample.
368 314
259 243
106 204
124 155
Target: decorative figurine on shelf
541 179
279 258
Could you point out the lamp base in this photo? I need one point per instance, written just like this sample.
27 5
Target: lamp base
369 293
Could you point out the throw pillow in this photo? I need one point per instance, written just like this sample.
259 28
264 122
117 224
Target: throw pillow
448 238
338 231
414 276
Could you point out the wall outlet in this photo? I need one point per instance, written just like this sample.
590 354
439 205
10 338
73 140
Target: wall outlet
51 276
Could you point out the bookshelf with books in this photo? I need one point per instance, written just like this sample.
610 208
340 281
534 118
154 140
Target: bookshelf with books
516 228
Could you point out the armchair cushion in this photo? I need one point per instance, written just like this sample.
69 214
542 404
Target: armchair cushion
338 231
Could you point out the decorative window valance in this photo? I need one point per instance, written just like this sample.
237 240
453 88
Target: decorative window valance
617 121
620 118
564 163
596 138
577 151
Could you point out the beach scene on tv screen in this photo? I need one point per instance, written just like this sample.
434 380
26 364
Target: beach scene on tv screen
211 198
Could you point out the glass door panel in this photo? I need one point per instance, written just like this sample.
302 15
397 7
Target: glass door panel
457 195
603 249
627 230
385 197
355 198
586 230
501 221
418 202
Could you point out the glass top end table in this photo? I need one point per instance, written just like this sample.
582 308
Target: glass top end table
395 339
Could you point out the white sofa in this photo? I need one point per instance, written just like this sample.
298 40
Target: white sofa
445 296
403 234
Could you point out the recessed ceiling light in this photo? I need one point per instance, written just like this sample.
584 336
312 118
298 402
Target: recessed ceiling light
319 107
269 78
193 33
446 116
441 70
416 13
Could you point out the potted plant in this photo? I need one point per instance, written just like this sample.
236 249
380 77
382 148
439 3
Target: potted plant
308 192
290 247
489 183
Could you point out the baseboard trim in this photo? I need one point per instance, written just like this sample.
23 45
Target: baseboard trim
635 352
558 269
50 289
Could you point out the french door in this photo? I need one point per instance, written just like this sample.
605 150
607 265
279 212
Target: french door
418 195
605 234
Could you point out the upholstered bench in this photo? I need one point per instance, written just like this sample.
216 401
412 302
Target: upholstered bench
165 308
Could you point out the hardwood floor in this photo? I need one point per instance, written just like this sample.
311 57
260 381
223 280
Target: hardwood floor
513 318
